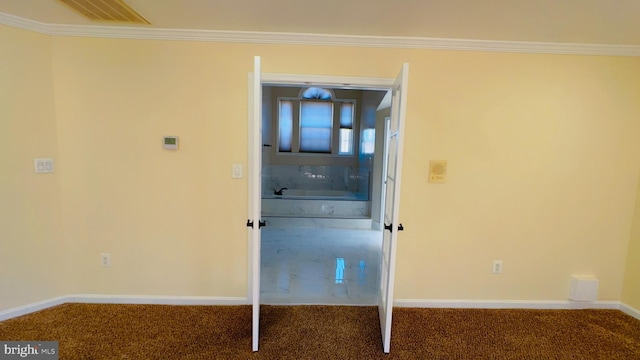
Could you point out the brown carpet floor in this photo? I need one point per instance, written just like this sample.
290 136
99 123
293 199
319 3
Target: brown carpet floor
93 331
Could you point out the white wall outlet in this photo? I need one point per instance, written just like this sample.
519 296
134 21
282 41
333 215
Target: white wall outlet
105 260
236 171
497 267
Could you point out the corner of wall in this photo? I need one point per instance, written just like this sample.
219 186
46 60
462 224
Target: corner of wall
631 285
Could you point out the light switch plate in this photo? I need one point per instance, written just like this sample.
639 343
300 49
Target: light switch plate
43 165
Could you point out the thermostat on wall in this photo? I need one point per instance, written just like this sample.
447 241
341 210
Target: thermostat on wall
170 142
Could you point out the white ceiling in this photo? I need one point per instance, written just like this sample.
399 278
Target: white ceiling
615 22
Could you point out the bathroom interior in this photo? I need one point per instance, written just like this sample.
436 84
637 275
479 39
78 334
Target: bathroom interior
322 193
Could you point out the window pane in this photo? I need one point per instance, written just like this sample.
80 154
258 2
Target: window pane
368 141
315 126
346 142
285 123
346 115
316 93
316 114
315 139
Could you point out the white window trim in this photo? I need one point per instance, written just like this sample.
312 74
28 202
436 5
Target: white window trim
335 128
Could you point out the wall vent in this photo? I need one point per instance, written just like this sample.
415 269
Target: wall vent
106 10
583 288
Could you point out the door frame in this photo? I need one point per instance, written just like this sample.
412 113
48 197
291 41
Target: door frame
253 195
282 79
267 79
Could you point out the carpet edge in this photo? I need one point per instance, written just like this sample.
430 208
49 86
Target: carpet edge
120 299
221 300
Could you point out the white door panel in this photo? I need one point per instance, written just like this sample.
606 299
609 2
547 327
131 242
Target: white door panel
255 161
392 205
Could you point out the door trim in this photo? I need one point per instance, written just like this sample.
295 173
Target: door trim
345 82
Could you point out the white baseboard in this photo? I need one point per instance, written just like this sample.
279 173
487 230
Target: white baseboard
506 304
631 311
376 225
122 299
29 308
155 300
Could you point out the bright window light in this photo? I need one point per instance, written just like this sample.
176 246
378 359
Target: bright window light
316 118
368 141
286 126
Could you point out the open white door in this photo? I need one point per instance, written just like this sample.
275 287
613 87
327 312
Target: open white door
255 169
392 204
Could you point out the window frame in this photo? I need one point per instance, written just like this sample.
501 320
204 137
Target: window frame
301 128
335 127
351 128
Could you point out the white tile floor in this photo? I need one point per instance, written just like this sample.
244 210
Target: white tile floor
305 265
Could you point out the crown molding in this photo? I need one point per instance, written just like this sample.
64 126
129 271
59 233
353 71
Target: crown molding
146 33
22 23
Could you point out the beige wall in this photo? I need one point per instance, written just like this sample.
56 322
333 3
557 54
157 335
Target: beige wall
543 168
543 165
173 221
631 292
30 222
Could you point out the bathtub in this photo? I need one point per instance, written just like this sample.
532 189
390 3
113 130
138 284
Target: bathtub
316 203
301 194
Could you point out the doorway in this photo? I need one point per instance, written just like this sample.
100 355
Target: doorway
319 197
398 88
319 245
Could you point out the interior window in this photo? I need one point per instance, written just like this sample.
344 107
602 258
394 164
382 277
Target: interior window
286 125
316 121
316 118
346 129
368 141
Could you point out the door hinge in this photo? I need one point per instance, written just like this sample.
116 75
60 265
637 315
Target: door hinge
260 223
390 227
